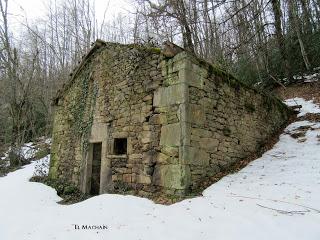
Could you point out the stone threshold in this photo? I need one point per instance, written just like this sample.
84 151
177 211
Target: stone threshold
117 156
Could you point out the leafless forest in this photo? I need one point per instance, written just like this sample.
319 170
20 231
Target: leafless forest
258 41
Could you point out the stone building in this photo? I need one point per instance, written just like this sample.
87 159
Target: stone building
134 118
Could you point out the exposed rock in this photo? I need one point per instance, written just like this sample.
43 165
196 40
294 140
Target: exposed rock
170 49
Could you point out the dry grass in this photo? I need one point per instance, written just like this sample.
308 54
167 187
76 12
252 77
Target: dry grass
308 91
311 117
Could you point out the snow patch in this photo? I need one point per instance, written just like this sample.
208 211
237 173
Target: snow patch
48 141
312 78
306 77
307 106
28 150
41 168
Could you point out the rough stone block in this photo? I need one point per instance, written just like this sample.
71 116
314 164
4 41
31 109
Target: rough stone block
170 151
98 132
201 132
138 118
146 136
194 156
158 119
196 114
172 176
143 179
209 144
135 157
147 98
161 158
127 178
193 75
166 96
120 135
170 135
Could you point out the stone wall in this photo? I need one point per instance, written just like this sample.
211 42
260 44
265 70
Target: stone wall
222 121
228 121
117 103
182 121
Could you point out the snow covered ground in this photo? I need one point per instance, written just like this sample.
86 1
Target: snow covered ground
307 106
275 197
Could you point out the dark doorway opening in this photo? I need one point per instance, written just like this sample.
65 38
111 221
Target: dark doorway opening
96 168
120 146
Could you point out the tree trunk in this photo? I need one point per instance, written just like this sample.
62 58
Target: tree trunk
280 39
307 18
180 9
296 28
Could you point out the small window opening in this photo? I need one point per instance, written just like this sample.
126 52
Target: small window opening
120 146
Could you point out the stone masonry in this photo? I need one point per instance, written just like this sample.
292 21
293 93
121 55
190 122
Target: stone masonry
165 121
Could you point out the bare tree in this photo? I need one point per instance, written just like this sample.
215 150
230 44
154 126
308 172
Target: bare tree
280 39
296 29
17 75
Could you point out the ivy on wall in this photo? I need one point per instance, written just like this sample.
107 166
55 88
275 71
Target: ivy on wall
84 101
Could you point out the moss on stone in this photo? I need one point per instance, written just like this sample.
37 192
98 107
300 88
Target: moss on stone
250 107
144 48
155 50
214 70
